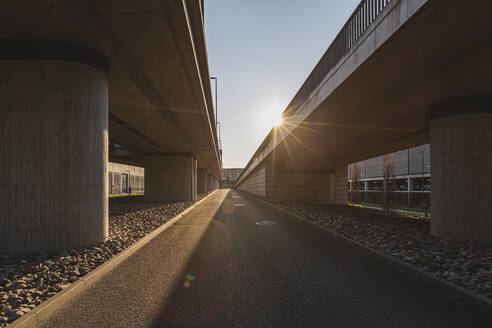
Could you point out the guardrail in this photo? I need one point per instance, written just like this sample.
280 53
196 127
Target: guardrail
363 16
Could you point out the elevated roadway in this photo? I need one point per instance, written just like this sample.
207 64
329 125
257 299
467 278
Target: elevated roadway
400 73
78 74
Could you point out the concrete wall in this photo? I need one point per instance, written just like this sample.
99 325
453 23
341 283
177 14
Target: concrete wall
256 182
317 187
303 186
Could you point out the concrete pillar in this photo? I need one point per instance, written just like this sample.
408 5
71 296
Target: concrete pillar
210 182
53 148
194 171
170 177
340 192
461 163
202 181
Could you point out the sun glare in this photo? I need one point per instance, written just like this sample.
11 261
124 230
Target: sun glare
278 121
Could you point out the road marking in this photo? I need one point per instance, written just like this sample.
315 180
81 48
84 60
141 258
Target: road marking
237 204
266 223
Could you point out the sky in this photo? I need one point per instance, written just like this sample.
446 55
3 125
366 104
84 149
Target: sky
261 51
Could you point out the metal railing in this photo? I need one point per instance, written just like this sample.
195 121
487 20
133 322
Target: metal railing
362 18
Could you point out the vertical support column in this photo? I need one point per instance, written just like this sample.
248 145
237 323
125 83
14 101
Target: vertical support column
341 192
170 177
194 172
214 181
53 148
461 162
210 182
202 181
332 187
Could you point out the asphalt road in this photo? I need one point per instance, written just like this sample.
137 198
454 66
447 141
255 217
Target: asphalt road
217 267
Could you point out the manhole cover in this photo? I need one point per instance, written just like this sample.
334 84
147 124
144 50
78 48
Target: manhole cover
265 223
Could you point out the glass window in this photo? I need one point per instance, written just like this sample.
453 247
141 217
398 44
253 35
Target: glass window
124 183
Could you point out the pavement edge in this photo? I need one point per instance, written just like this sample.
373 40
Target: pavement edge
34 317
418 273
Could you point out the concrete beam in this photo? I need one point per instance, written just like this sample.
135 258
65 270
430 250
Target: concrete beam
53 151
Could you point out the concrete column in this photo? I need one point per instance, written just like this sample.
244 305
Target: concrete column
341 192
332 187
170 177
194 180
53 149
210 182
202 181
461 162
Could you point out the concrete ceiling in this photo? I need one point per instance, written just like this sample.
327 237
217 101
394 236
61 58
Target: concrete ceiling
159 88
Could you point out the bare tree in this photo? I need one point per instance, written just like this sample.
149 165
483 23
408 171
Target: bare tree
388 181
355 183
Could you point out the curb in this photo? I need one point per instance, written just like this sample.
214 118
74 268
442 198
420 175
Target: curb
396 211
42 312
457 291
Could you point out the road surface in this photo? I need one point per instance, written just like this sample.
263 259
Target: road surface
235 262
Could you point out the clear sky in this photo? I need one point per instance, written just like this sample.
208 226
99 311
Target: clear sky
261 52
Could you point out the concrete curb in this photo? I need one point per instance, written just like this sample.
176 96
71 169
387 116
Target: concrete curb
457 291
43 311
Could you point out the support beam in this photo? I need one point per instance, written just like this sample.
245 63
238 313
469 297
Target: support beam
202 181
461 162
53 149
170 177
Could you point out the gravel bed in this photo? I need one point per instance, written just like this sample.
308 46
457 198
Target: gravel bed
467 264
29 279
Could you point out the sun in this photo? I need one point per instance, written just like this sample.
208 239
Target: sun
270 116
278 121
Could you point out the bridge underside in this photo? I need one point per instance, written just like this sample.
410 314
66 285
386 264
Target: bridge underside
431 81
78 74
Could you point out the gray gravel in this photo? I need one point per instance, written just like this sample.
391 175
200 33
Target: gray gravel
467 264
29 279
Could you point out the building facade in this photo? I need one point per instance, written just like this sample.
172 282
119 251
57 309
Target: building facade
408 172
230 176
125 179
